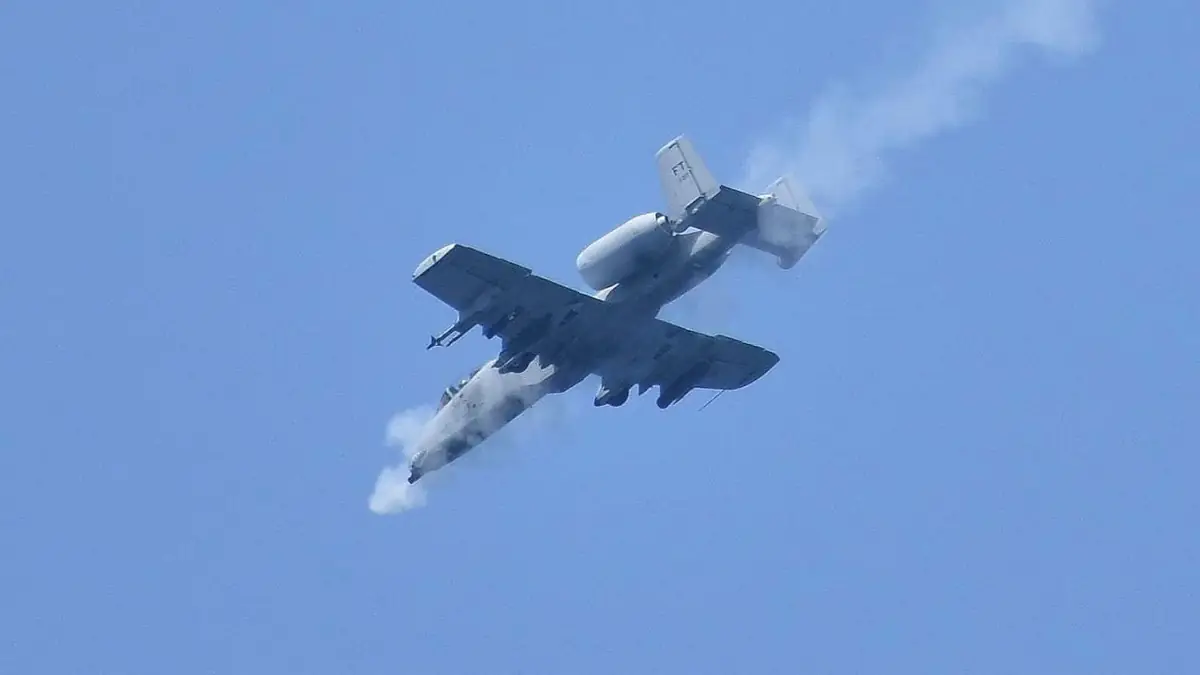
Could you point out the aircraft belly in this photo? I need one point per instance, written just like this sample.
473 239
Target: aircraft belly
702 256
488 402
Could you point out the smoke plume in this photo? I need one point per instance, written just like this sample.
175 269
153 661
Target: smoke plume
840 149
415 429
393 493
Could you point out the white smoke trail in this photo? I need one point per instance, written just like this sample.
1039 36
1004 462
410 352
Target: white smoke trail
393 493
839 151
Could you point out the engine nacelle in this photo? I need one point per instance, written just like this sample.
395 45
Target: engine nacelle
617 255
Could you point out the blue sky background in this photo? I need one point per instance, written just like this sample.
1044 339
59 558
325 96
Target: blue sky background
978 454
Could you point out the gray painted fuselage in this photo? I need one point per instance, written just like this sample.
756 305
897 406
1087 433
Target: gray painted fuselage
693 256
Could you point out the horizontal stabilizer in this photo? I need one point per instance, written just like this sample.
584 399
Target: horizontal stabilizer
780 223
788 224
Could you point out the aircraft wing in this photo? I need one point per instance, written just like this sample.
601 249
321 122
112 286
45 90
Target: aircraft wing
658 352
575 331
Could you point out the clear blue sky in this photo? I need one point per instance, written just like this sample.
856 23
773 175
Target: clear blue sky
978 454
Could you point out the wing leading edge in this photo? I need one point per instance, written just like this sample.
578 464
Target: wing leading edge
578 332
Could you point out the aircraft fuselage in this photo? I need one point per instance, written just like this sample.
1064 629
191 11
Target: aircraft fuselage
693 257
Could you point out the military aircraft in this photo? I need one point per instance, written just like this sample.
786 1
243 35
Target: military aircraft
553 337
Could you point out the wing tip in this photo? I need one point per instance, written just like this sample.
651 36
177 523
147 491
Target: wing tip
432 259
770 360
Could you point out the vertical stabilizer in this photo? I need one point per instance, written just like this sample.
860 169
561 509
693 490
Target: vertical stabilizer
787 195
788 223
686 182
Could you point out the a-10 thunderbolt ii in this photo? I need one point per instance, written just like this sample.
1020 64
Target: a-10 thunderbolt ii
553 336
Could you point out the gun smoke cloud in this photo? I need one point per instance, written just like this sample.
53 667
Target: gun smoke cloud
839 151
393 493
414 429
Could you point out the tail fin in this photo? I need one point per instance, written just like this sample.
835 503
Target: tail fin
788 224
686 181
782 222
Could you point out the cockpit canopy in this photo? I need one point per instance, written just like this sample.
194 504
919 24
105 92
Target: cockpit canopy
450 391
